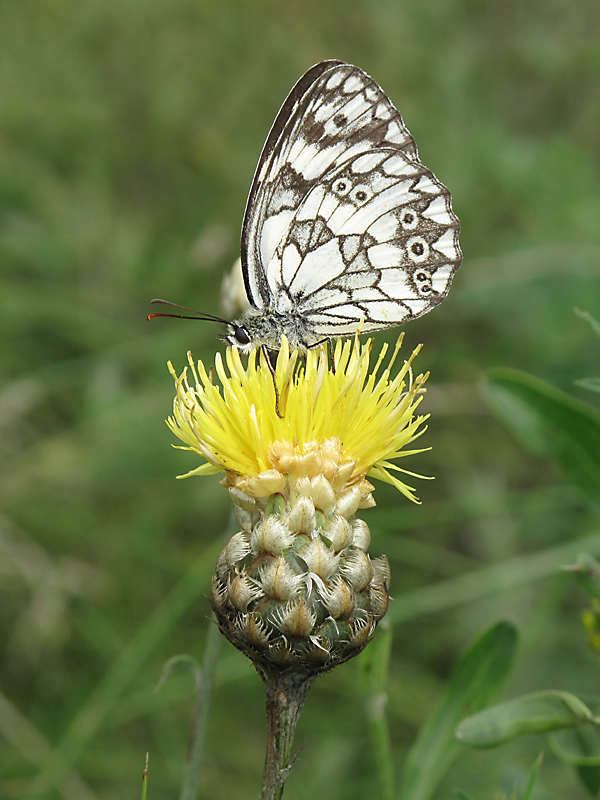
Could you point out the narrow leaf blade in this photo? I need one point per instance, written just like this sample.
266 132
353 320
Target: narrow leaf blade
592 384
540 712
587 573
549 421
579 746
533 774
477 677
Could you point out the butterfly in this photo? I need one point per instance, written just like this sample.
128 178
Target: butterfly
344 226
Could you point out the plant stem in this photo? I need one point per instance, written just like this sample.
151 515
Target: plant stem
189 788
375 663
286 693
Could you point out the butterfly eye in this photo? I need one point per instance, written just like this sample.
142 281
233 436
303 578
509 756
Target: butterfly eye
342 186
241 335
417 248
409 218
360 194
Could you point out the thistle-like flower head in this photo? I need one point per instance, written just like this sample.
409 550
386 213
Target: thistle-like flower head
295 588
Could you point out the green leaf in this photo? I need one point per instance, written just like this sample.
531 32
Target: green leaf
181 662
593 384
579 746
590 778
540 712
533 774
587 572
477 677
593 322
549 421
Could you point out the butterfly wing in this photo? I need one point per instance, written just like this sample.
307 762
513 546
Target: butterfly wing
375 239
335 112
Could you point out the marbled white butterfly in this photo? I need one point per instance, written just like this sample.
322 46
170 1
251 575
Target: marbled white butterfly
343 222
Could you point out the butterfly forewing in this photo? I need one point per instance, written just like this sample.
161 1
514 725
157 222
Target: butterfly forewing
334 113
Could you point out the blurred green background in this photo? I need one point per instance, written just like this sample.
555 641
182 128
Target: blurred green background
129 133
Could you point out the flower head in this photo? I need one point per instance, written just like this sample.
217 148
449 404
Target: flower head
296 589
345 414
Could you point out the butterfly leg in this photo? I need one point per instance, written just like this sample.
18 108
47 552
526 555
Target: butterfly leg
331 358
329 342
265 354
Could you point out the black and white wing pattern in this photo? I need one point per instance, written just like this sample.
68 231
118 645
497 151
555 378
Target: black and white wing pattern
343 222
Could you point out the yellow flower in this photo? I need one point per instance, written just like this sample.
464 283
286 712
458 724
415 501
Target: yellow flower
368 418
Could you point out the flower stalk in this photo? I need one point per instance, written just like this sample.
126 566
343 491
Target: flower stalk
286 693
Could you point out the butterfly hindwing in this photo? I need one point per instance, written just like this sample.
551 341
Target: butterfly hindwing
334 113
375 239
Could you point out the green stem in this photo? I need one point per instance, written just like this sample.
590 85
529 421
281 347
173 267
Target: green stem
286 693
382 745
211 656
375 662
145 780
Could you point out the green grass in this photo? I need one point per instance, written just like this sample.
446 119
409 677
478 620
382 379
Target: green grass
129 132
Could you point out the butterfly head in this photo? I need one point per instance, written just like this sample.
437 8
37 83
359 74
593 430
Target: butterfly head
255 328
239 336
263 327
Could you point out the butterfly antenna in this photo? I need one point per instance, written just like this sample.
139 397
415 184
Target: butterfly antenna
199 314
